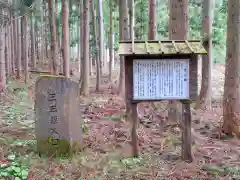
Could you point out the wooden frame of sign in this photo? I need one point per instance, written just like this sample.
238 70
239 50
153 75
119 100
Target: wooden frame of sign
161 70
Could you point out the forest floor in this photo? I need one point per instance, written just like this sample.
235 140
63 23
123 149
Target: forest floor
107 151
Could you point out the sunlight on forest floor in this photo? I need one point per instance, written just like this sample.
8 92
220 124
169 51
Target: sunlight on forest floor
107 150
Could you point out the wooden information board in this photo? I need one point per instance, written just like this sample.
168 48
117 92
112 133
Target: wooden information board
163 79
161 70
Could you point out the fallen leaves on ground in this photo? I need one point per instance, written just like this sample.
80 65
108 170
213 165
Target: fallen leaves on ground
107 148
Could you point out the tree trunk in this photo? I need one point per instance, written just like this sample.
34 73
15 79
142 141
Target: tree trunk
42 44
96 46
25 52
130 15
86 79
37 42
10 49
46 30
101 35
110 40
22 42
18 58
57 28
123 32
2 59
81 41
178 19
152 24
231 97
205 100
52 23
65 38
178 30
70 29
152 19
13 45
33 50
7 50
79 35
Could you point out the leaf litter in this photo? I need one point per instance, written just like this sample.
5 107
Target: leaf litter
107 148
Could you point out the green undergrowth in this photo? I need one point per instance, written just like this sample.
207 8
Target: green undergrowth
13 109
13 168
217 171
110 165
17 102
13 112
58 148
22 159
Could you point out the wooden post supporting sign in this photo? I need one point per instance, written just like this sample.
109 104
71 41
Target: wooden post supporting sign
186 132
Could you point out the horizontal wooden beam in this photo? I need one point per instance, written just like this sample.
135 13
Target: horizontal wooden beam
157 41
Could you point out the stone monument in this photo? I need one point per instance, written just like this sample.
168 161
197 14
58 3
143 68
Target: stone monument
58 118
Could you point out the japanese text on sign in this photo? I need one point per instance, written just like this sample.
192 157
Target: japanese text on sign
161 79
53 118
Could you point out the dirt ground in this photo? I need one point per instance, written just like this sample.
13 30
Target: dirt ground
107 151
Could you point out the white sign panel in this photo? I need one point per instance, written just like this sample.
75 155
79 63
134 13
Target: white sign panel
160 79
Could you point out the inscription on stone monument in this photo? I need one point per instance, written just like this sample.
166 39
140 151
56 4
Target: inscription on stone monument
53 118
58 118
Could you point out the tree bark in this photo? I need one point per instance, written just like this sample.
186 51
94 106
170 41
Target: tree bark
33 49
46 30
81 41
22 42
178 30
123 32
231 97
86 79
110 40
178 19
101 34
37 42
7 50
53 64
57 28
42 44
79 35
65 38
2 59
205 101
18 58
13 45
25 52
130 15
96 46
152 19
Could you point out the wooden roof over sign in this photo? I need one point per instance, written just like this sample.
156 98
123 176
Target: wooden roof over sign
127 48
